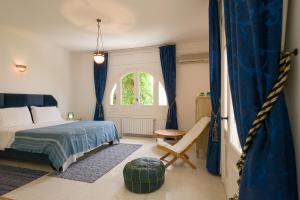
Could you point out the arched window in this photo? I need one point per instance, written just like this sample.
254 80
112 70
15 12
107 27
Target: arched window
113 95
162 97
138 88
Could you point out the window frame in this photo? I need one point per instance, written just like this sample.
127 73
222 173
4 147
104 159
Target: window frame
156 80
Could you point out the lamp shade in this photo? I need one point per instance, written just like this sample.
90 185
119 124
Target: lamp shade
99 57
70 115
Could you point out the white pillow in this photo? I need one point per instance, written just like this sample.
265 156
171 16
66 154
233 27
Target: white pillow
45 114
15 117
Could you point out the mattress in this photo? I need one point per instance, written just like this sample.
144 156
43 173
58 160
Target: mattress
7 134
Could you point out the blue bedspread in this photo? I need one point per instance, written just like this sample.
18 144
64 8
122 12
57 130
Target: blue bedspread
62 142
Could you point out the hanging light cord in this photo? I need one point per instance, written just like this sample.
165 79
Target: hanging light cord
99 35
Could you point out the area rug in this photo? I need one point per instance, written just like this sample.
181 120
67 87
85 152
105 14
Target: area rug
97 164
12 178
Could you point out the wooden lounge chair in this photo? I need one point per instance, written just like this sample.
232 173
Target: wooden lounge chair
179 149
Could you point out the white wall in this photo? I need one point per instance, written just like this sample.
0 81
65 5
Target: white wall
191 80
48 66
82 88
292 89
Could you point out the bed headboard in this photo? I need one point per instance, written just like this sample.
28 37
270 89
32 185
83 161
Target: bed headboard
8 100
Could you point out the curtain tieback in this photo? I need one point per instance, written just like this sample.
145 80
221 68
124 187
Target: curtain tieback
169 110
284 68
214 116
100 106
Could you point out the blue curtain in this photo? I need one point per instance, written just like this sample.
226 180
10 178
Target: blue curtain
253 37
100 75
168 66
214 139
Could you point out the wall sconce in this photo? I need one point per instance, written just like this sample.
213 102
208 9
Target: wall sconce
21 68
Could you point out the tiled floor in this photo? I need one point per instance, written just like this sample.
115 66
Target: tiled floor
181 183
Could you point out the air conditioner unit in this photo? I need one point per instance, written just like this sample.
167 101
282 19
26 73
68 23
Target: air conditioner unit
193 58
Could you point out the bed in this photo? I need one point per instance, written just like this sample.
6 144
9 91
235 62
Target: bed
58 143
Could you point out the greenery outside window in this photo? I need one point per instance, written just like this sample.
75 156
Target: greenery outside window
146 88
128 97
137 88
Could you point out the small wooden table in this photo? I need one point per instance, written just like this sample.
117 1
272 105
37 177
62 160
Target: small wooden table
3 198
169 133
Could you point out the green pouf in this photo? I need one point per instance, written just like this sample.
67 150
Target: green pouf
144 175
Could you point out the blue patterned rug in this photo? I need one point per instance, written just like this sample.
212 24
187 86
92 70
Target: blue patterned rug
97 164
12 178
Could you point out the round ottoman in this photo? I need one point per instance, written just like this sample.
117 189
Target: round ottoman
144 175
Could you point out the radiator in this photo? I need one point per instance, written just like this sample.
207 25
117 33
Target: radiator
137 126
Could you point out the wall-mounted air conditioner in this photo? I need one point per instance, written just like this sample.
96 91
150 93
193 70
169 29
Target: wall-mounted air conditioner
193 58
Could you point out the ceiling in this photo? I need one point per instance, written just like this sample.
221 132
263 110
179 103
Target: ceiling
126 23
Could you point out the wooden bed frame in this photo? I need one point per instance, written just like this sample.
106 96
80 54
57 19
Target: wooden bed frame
8 100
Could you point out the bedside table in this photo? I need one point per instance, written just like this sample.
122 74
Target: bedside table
4 198
75 119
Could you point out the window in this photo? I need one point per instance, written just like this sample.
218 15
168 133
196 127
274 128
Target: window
113 95
226 90
138 88
128 89
229 125
234 138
